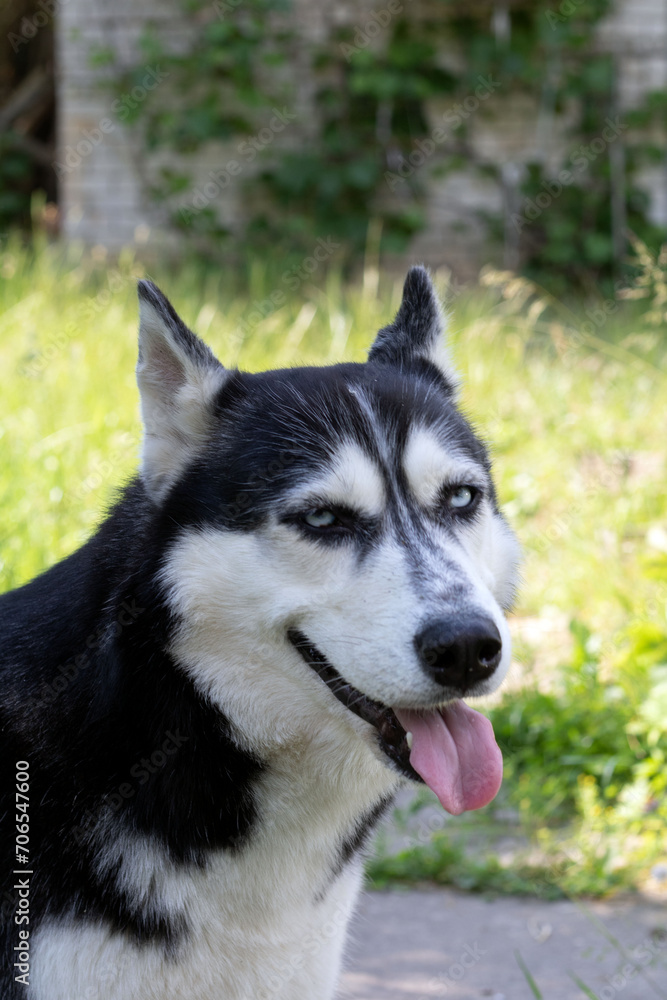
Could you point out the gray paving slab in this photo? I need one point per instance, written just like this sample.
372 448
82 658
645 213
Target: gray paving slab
422 944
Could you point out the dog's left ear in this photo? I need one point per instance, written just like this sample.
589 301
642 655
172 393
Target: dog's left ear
417 332
178 377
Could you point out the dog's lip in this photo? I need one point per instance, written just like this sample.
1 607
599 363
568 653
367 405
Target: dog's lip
392 736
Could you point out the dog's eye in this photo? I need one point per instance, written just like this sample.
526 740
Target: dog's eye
330 524
320 518
463 496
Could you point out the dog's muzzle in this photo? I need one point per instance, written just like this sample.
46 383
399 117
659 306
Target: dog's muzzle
392 738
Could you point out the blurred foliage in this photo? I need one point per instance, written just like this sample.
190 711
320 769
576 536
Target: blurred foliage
650 286
552 738
27 125
15 186
552 56
368 113
370 109
579 231
445 862
221 78
374 89
594 743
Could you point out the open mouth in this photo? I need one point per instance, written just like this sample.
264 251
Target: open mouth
452 750
392 737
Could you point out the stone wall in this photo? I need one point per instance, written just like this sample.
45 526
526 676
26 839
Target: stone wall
104 173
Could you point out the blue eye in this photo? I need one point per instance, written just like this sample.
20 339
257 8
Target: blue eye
462 496
320 518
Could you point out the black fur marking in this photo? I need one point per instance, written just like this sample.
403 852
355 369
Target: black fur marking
357 839
408 343
118 739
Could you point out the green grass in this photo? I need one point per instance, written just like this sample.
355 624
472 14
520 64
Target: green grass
575 416
534 989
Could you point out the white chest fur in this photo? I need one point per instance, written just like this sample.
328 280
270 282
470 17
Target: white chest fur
265 923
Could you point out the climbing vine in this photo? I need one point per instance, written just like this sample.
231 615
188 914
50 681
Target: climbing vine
369 148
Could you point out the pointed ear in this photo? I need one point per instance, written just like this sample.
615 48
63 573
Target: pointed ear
178 377
417 331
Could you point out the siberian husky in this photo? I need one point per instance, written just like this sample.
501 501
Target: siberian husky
207 707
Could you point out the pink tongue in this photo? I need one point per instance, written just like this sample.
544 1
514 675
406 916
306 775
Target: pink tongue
455 752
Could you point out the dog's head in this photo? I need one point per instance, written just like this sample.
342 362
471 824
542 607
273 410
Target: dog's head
339 548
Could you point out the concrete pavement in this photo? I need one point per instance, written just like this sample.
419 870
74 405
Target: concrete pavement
423 944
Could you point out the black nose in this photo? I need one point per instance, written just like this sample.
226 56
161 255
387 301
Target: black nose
459 653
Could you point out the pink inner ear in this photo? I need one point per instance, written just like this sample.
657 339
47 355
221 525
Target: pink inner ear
166 367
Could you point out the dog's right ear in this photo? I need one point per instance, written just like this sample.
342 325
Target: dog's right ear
178 376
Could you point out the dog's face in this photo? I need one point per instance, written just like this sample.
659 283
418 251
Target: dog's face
337 524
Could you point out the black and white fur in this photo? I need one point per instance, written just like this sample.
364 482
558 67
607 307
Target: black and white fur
195 630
